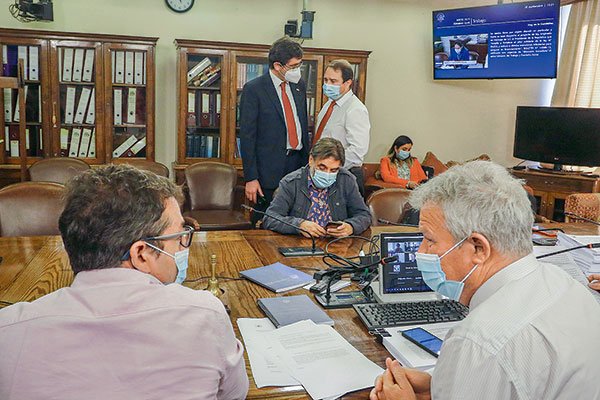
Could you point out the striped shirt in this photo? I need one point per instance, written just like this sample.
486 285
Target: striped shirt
532 333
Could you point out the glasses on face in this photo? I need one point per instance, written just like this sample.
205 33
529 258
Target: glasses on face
185 237
292 67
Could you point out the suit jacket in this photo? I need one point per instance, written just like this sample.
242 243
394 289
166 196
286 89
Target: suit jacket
263 132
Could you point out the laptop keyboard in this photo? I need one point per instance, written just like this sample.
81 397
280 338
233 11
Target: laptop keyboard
385 315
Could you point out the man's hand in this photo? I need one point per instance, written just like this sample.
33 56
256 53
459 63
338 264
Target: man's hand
345 229
315 229
252 189
401 383
412 185
594 281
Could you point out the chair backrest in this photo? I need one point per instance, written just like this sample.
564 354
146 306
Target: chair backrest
58 170
210 185
387 204
30 209
152 166
473 55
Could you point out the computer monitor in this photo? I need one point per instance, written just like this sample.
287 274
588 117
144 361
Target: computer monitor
401 276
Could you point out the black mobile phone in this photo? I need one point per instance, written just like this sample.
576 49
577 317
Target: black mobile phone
425 340
333 224
261 201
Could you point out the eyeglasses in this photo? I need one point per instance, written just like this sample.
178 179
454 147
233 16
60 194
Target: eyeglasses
185 237
291 68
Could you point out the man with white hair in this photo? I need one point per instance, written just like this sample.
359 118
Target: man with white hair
532 330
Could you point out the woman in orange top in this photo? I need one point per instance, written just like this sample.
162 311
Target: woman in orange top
399 167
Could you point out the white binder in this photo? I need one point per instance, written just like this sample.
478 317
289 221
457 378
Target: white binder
138 78
119 66
118 106
14 148
90 117
7 105
67 64
191 102
34 63
70 105
131 101
6 138
84 99
88 65
75 138
129 67
78 65
17 116
27 138
64 139
86 135
92 151
136 148
118 152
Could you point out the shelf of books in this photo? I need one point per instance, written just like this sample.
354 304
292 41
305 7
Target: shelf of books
30 53
77 101
204 99
130 122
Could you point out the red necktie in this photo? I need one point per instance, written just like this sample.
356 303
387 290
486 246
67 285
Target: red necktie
289 118
323 123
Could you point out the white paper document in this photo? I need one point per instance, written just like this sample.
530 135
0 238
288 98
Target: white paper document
267 369
322 360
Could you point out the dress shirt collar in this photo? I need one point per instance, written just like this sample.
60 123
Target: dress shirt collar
108 276
275 79
340 102
512 272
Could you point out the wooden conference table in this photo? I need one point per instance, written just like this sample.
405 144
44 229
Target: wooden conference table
35 266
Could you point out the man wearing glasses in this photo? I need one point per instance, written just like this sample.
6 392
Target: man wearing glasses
126 328
274 124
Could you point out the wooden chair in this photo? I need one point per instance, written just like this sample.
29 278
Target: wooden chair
30 209
388 204
58 170
209 188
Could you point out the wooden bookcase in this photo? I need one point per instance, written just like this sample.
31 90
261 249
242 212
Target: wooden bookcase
551 190
208 104
72 81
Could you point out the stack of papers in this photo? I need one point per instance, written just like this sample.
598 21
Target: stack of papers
315 356
567 263
409 354
587 259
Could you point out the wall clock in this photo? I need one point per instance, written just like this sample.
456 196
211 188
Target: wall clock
180 6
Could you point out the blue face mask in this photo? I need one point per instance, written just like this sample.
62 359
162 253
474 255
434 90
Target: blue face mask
332 91
431 268
181 262
323 180
403 154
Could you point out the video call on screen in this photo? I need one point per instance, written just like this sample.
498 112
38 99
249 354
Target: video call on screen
516 40
403 275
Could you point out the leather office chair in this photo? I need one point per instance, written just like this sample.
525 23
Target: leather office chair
58 170
388 204
210 187
152 166
586 205
30 209
474 56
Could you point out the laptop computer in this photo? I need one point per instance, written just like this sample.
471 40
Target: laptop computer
401 281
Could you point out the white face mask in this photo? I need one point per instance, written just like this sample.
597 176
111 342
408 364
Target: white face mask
293 75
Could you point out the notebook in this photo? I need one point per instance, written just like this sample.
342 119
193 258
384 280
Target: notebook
287 310
277 277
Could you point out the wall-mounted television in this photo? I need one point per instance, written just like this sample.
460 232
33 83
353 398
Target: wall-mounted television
513 40
558 135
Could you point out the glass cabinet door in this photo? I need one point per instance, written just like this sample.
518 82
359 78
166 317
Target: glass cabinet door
130 111
33 54
77 103
312 67
246 67
204 105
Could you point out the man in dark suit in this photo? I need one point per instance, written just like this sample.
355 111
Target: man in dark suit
274 124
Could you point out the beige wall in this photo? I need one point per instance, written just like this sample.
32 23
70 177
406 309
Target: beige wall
455 119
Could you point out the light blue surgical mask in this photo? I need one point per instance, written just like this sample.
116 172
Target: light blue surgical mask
403 154
332 91
181 261
430 267
323 180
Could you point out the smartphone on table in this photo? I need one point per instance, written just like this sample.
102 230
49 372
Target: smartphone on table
425 340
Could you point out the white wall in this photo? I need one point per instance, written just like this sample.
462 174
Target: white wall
455 119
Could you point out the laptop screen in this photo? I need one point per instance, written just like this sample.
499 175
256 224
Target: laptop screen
401 276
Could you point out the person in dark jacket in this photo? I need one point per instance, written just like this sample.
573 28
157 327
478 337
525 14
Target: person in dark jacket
321 198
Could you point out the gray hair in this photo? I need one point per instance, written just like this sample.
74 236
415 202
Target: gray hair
328 147
108 209
482 197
